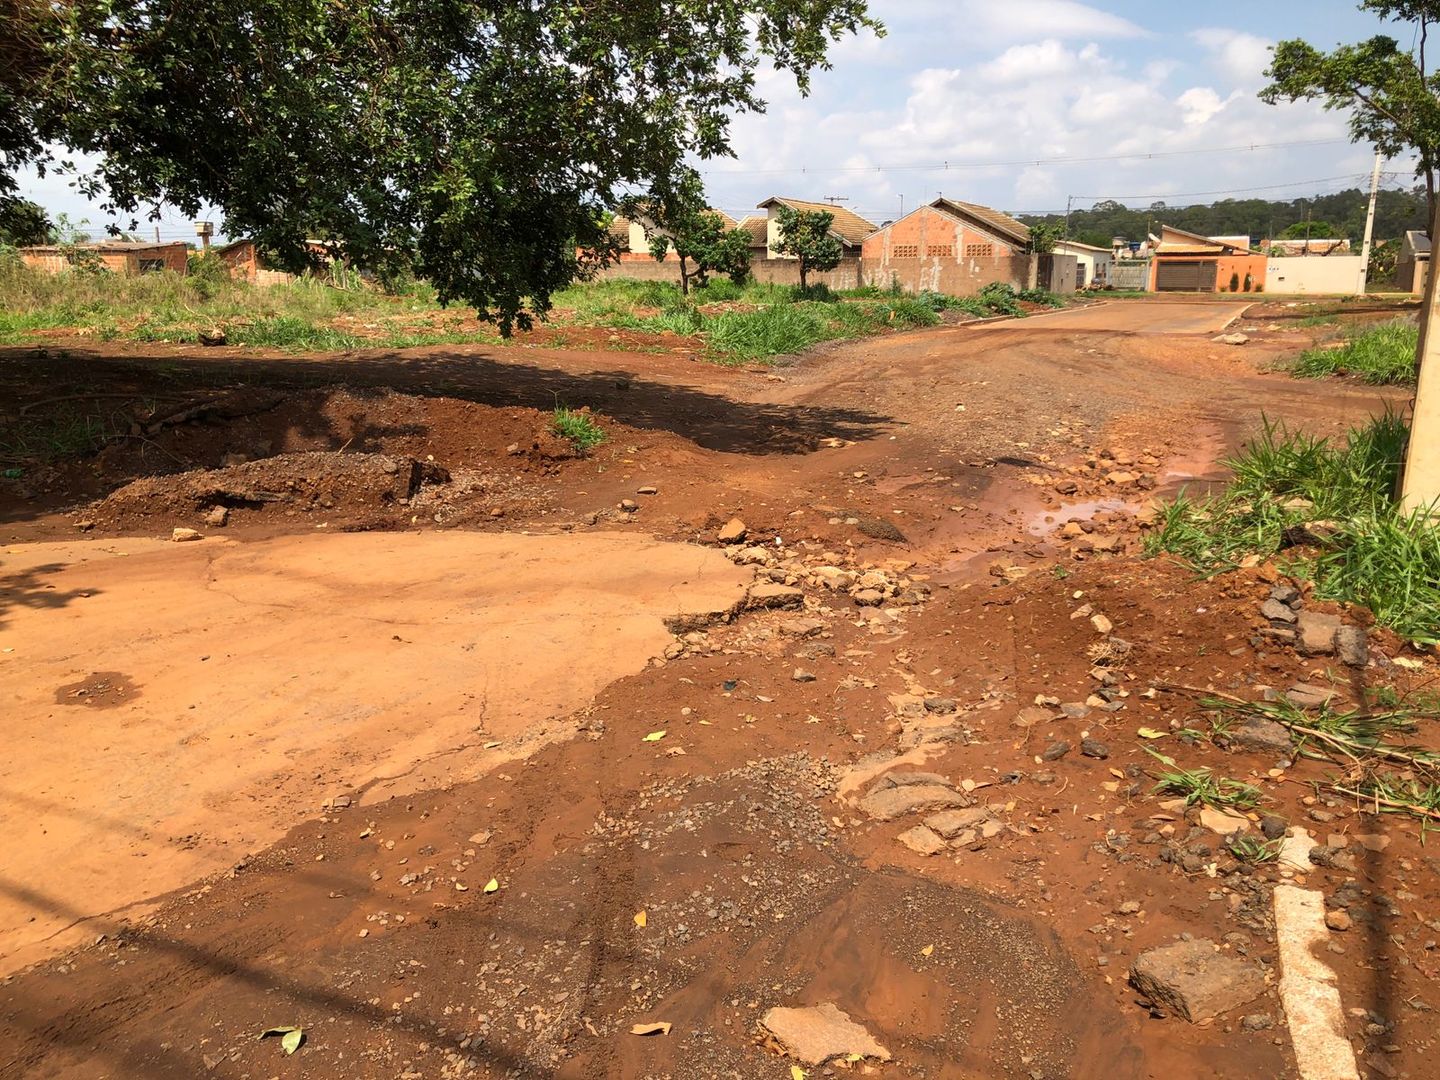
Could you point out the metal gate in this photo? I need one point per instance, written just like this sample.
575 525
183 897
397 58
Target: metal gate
1198 276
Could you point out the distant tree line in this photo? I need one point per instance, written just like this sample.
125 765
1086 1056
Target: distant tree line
1337 215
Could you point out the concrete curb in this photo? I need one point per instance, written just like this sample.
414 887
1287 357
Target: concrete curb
1307 987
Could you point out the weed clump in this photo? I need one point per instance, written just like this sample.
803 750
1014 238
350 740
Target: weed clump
579 427
1381 355
1330 508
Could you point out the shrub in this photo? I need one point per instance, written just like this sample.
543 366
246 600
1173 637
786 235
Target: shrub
1041 296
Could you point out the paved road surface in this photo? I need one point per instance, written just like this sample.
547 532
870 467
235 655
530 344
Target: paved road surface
1134 317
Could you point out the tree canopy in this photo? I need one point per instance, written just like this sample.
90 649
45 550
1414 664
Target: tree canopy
1389 91
806 235
478 141
680 222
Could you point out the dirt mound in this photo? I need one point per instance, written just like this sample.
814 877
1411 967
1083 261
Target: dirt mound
357 485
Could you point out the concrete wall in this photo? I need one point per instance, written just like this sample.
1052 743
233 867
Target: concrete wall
1410 275
1336 275
1240 266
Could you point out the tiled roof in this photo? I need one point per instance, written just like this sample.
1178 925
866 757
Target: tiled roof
1002 224
758 228
846 224
112 245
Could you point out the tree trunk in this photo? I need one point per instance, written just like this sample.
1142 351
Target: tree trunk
684 278
1430 195
803 269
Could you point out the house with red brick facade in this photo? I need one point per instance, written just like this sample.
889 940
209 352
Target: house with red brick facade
116 256
951 247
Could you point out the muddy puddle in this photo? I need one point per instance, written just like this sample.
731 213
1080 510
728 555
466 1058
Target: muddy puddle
263 680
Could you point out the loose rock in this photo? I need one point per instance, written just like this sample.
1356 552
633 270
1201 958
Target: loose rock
922 841
821 1033
1195 980
1094 748
180 536
732 532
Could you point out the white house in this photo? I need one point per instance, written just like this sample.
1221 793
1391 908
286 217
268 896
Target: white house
1094 265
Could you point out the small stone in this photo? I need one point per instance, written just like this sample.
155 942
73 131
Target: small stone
1339 920
212 337
1031 715
767 594
1195 980
1129 907
1075 710
801 675
1066 487
868 597
648 489
1257 733
1094 748
922 841
733 532
1257 1022
1273 827
1275 611
803 628
1310 696
951 823
1352 647
181 536
1055 751
941 705
1230 339
1120 477
1286 593
218 516
1316 633
1101 624
629 506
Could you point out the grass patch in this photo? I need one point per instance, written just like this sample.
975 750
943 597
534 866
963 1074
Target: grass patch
1201 787
1380 355
1252 849
577 426
1330 508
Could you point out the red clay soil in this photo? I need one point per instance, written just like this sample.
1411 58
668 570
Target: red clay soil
910 488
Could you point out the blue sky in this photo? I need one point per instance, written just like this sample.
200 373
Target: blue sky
971 82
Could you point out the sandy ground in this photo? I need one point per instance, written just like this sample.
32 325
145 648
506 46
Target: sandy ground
176 707
310 844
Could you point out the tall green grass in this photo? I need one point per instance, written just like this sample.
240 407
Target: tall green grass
1332 506
1380 355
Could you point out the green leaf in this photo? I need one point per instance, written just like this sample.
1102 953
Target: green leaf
291 1038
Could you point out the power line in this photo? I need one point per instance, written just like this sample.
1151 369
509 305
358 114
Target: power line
946 166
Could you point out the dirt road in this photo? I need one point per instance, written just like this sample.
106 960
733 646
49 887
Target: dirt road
260 770
176 707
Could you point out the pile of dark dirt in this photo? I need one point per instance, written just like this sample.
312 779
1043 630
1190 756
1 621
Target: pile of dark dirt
369 489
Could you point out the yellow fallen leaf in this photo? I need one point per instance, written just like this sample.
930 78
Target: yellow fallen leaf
1117 774
1151 733
797 1073
654 736
492 885
927 950
1408 663
640 918
661 1028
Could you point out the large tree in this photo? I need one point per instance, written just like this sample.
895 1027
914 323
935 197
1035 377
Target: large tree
1388 89
478 140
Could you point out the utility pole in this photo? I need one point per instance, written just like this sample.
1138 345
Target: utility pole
1069 204
1369 226
1420 474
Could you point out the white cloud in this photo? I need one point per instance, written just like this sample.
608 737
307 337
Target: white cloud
1024 63
1032 19
1199 104
1240 57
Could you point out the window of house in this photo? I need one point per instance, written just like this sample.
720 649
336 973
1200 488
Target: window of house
979 251
152 266
905 251
941 251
